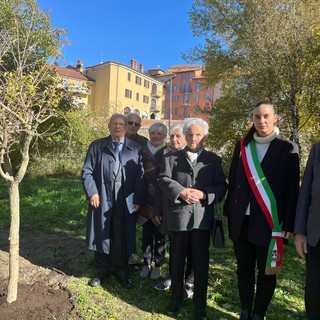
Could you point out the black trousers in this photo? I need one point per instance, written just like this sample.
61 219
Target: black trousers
248 256
153 244
312 289
117 259
189 275
198 241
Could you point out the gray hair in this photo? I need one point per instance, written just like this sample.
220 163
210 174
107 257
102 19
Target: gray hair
198 122
158 127
134 114
119 115
177 126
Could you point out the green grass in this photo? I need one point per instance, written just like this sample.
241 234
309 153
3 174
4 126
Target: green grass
57 205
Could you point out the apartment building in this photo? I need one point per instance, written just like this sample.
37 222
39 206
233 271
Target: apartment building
74 81
125 89
187 93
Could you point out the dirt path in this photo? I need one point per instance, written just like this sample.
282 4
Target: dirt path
47 262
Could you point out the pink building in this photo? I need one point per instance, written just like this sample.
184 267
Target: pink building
186 92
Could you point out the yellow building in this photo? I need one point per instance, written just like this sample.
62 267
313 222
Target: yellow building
125 89
75 82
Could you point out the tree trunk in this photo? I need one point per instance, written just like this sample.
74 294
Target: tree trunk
14 241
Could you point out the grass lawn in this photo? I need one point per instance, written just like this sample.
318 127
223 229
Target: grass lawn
57 205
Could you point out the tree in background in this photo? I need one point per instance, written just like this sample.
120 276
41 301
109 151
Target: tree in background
29 97
260 49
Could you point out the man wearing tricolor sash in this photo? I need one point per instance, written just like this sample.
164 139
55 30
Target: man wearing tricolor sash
260 206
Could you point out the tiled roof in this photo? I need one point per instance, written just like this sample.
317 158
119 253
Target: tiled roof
184 68
71 73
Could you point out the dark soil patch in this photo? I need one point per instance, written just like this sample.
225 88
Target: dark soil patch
47 261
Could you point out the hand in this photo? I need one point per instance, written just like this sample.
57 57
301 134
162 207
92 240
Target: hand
190 195
95 201
157 219
300 242
136 207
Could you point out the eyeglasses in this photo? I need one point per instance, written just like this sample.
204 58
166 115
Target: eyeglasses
136 124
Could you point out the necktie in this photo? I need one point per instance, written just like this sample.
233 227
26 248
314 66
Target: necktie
115 145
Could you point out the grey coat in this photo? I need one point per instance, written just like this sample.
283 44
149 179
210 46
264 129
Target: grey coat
176 174
98 178
308 207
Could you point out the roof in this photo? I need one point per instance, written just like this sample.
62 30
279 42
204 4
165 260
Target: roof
185 68
71 73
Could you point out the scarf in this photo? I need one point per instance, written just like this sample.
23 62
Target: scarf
267 202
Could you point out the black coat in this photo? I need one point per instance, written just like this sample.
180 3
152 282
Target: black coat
281 169
176 174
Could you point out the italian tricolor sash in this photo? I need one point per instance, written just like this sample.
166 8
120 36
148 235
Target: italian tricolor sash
267 202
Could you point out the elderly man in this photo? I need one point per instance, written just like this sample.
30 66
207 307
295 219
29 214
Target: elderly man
112 176
134 124
193 180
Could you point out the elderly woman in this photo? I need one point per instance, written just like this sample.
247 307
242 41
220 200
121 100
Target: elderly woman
193 180
153 241
177 142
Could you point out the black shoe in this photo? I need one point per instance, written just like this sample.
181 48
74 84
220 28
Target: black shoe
125 281
245 315
200 314
173 307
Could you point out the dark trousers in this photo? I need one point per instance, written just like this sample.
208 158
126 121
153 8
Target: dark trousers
189 275
117 259
198 241
153 244
248 256
312 289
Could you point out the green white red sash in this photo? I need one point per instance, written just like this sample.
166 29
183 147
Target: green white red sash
267 202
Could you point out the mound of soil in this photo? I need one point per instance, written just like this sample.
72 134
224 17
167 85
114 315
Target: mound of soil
42 292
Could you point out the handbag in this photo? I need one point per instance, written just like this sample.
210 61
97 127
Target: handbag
217 231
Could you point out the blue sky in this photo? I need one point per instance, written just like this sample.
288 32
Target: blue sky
155 33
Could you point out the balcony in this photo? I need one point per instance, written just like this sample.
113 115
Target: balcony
155 94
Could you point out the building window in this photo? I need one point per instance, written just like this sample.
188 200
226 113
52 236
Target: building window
129 76
190 76
176 111
207 96
145 99
186 88
144 115
138 80
153 104
154 89
146 84
183 77
137 96
185 112
198 85
196 97
176 98
186 100
128 93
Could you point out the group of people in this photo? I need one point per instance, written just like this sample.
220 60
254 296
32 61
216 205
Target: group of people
171 191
